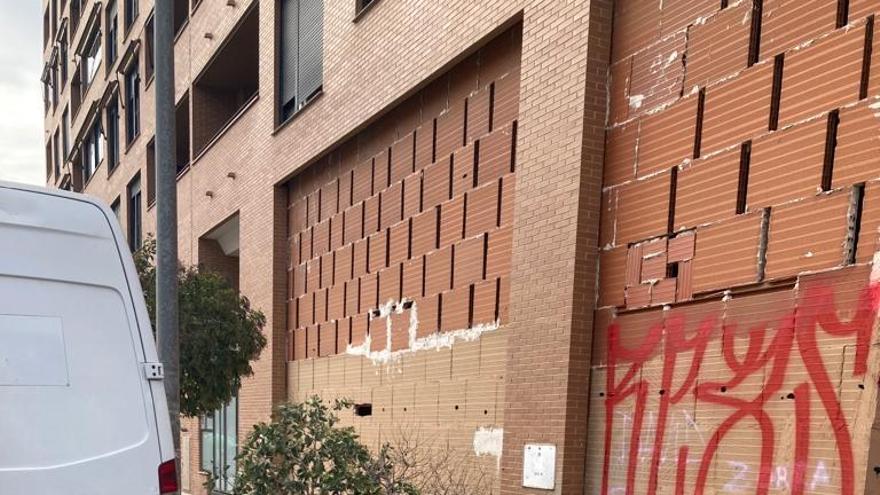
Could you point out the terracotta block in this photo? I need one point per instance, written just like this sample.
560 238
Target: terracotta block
681 248
378 334
412 195
612 276
300 347
354 223
336 305
381 171
299 281
345 189
869 234
361 256
858 145
608 218
643 209
371 215
291 314
343 335
343 264
478 114
508 192
378 244
436 186
402 163
312 209
787 165
718 47
455 309
726 253
336 231
463 169
438 271
326 339
618 105
808 236
312 340
495 155
326 270
482 209
297 216
485 302
679 14
450 130
400 330
389 284
823 76
654 247
664 291
667 138
860 9
428 310
304 310
321 239
788 23
685 289
295 247
499 252
424 232
398 249
369 299
451 221
506 107
391 210
504 301
313 274
654 268
412 278
738 109
362 182
359 326
329 199
424 144
468 261
657 74
633 265
707 190
320 315
352 299
636 25
306 245
621 148
638 296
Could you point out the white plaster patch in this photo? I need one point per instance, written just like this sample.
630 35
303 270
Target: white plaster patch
875 268
635 101
489 441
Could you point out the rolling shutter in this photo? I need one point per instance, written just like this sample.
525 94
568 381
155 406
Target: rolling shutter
289 48
311 24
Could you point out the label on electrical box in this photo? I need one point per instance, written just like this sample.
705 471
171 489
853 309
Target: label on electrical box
539 466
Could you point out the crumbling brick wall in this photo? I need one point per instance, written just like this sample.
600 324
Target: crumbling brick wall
734 347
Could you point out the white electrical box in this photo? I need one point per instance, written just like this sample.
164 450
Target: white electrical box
539 466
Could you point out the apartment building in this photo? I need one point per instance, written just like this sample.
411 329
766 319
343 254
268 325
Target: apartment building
579 247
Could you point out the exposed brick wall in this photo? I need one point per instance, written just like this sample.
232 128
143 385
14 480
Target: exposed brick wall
734 201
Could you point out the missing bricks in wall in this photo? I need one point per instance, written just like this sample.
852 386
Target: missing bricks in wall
363 410
854 222
485 255
673 187
497 299
513 147
464 215
755 33
830 149
434 141
451 174
745 159
465 123
776 95
698 134
492 106
471 291
866 58
842 13
498 203
437 210
475 182
763 242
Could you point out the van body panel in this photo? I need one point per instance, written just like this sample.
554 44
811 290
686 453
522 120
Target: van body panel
77 412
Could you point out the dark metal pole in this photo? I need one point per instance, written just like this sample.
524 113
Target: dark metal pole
166 228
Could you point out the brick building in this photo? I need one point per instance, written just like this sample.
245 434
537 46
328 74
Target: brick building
640 232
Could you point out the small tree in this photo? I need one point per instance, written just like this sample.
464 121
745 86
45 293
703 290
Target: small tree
220 334
304 452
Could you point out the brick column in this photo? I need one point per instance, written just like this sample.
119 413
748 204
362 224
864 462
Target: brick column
559 178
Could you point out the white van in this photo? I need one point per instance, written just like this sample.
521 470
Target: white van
82 403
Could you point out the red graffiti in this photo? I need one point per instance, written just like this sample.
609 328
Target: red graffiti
771 348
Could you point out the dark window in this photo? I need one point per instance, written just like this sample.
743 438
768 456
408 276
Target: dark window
53 81
151 172
62 61
181 14
149 47
301 53
92 150
362 4
65 134
114 206
57 154
132 103
134 213
112 134
54 18
131 11
75 14
181 128
112 33
46 27
93 56
219 445
49 165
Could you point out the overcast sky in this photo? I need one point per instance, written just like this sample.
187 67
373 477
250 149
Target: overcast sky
22 155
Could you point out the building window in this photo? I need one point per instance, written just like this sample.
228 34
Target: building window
301 53
134 213
219 445
112 34
114 207
57 154
132 103
75 13
53 81
65 133
93 150
151 172
360 5
93 56
112 134
150 47
181 15
131 11
62 61
49 165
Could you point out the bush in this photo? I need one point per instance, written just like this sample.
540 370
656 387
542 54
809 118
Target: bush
304 452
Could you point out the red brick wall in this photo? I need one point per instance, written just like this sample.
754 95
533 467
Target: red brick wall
736 306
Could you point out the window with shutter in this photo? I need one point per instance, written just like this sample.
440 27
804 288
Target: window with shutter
301 53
